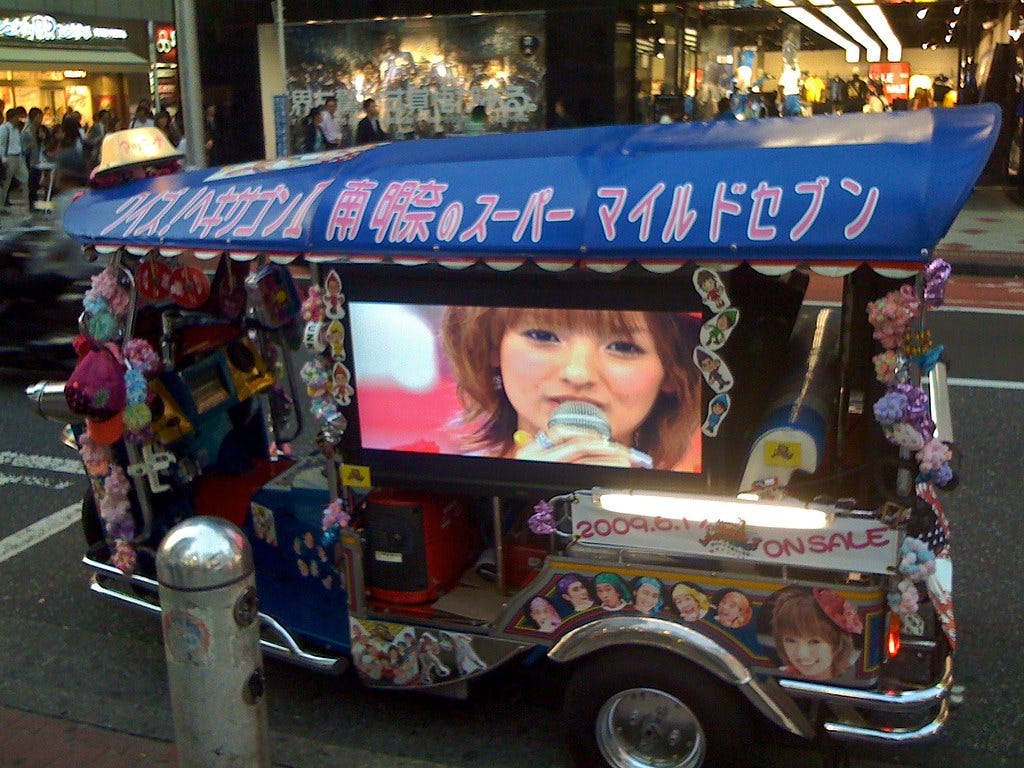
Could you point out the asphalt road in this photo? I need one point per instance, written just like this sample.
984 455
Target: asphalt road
63 651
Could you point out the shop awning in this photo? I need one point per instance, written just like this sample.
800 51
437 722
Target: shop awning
89 60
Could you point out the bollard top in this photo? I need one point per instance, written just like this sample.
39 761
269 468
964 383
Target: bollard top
203 553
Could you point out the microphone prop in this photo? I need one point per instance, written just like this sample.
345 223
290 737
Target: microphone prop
582 416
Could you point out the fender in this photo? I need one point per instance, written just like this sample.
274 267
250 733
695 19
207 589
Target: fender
765 694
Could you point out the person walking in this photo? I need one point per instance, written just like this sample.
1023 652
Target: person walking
329 124
94 139
312 132
165 123
477 123
563 118
32 149
12 154
369 131
143 116
211 135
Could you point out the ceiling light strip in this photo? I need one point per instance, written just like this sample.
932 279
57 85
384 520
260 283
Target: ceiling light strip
815 24
843 20
875 18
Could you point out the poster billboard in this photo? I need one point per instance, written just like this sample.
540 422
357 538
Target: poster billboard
426 74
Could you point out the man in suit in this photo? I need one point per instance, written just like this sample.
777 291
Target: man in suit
369 131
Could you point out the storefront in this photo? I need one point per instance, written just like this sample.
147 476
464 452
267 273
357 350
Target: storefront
615 61
84 64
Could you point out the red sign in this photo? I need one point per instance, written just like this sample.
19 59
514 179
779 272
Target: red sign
895 79
166 43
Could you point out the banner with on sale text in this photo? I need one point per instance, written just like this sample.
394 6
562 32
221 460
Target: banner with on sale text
856 544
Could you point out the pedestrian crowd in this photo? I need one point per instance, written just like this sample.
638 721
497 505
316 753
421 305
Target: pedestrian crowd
41 155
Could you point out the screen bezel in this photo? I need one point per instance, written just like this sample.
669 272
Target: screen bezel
632 288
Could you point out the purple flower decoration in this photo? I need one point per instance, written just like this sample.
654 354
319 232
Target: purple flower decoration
936 275
942 475
889 408
335 514
542 521
116 483
122 528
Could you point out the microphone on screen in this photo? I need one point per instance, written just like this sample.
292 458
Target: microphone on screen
582 416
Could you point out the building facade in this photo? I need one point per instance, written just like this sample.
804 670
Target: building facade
82 56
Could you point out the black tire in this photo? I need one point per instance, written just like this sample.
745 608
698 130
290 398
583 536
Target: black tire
639 707
92 526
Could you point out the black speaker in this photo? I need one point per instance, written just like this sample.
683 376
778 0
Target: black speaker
398 555
419 544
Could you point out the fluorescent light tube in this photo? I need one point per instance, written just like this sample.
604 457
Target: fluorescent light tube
815 24
872 50
875 18
711 509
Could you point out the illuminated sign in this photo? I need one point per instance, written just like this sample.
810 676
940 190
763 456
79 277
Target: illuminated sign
165 41
40 29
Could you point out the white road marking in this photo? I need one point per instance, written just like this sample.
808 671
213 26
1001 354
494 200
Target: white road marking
981 310
47 463
986 383
34 482
39 531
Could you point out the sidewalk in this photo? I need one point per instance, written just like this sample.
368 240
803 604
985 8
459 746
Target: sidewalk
987 238
29 740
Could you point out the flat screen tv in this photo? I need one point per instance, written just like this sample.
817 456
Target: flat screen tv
524 383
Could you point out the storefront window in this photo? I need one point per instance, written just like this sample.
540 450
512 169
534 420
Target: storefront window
804 57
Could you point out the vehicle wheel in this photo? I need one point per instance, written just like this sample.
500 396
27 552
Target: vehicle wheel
642 708
92 526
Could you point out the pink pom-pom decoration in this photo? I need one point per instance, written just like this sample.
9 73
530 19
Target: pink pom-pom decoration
104 284
905 436
142 356
313 305
887 366
124 557
119 302
116 483
933 455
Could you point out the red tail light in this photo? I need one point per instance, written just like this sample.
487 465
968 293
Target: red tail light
893 640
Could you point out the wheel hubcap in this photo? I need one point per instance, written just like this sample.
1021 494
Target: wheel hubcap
648 728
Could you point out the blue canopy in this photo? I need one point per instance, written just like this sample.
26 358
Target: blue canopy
827 189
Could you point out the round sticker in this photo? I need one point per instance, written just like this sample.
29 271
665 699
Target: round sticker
153 279
190 287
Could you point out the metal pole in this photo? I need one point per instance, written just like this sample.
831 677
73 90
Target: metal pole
279 18
212 645
191 86
154 81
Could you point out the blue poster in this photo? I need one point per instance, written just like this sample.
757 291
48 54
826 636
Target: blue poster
281 125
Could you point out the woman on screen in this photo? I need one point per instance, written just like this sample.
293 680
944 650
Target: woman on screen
630 374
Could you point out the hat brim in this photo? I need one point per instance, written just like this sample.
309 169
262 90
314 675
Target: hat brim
108 431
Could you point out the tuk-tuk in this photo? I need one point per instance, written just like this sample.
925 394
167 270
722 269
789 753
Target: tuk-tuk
656 404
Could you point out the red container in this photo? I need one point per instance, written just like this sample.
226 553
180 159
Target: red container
418 544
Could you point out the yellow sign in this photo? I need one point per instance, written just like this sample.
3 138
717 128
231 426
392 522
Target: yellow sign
780 453
355 476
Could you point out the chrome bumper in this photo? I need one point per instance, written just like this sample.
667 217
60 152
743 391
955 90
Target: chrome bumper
276 642
849 705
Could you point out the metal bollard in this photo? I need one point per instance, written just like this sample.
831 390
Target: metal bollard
212 643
